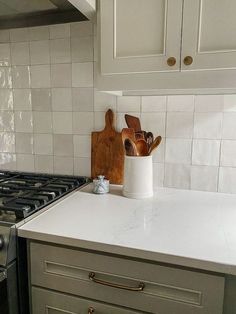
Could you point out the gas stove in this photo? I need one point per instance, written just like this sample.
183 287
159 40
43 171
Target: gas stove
21 195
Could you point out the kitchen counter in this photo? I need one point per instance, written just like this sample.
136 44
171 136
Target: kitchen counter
187 228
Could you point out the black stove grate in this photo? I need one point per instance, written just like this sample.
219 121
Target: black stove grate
22 194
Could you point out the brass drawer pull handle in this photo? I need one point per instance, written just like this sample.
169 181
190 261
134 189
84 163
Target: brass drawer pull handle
91 310
188 60
115 285
171 61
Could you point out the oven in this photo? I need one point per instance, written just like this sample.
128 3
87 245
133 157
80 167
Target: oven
8 289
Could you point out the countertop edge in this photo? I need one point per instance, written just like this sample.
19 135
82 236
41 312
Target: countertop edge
130 252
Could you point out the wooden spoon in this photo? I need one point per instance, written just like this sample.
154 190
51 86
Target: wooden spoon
142 147
133 123
130 147
154 145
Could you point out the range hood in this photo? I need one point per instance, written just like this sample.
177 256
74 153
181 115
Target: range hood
23 13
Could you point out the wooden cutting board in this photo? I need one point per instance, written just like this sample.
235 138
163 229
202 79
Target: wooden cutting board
108 152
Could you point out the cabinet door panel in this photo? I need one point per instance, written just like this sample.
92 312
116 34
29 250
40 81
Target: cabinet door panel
139 35
209 28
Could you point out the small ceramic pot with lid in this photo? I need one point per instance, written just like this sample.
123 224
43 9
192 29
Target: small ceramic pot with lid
100 185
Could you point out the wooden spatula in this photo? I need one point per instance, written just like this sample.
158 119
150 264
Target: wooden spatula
142 147
154 145
133 123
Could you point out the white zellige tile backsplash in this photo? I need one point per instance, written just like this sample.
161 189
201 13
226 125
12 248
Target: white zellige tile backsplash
48 108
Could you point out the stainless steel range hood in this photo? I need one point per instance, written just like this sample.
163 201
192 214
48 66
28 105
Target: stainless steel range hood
22 13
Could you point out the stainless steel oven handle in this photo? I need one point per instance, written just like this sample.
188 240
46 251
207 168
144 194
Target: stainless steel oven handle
3 275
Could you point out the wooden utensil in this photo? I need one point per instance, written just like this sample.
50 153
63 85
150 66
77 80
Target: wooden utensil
140 135
108 152
149 138
128 133
130 147
133 122
142 147
154 145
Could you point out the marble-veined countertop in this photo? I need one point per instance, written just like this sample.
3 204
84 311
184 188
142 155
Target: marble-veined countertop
188 228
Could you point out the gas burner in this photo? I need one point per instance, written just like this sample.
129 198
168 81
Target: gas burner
22 194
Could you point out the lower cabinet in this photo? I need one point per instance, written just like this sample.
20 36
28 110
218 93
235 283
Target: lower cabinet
49 302
131 286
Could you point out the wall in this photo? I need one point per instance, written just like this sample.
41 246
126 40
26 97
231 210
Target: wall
49 108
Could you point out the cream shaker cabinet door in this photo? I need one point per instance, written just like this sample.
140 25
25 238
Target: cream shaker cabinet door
140 36
209 41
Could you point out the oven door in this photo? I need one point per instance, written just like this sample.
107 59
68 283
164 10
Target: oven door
3 292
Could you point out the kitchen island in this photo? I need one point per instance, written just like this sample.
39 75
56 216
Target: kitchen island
190 232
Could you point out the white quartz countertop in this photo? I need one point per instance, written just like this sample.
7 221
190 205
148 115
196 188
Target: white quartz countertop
188 228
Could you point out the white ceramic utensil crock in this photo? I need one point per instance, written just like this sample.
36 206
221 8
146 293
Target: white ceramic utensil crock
138 177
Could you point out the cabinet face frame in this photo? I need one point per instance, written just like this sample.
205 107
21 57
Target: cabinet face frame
111 63
193 30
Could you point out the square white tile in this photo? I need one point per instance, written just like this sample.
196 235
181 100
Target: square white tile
4 36
82 145
82 166
61 75
177 176
60 50
6 99
5 55
43 163
153 103
40 76
43 144
229 126
63 165
39 52
6 74
41 99
7 142
158 174
227 180
228 153
22 99
179 125
82 74
230 103
39 33
21 76
62 122
61 99
59 31
83 123
180 103
63 145
7 121
81 29
206 152
82 99
25 162
82 49
19 34
20 53
154 122
209 103
178 151
7 161
23 121
208 125
42 122
24 143
204 178
128 104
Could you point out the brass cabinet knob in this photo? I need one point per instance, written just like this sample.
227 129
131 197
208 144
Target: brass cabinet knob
188 60
91 310
171 61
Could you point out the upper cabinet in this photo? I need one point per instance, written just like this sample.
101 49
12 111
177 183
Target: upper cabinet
140 35
209 28
166 45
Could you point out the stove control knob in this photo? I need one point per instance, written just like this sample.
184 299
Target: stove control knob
1 242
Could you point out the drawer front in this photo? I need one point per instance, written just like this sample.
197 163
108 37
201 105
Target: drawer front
48 302
139 285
